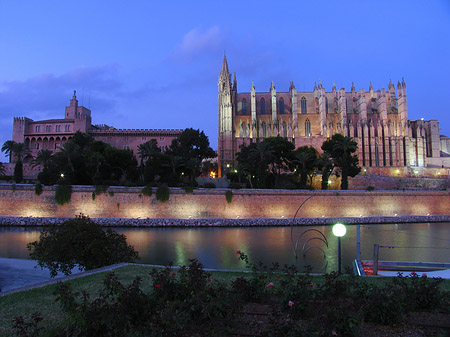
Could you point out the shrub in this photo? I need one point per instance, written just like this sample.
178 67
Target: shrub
18 172
209 185
162 194
38 189
63 193
229 196
80 242
147 190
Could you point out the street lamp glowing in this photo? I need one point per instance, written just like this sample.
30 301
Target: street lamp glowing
339 230
62 175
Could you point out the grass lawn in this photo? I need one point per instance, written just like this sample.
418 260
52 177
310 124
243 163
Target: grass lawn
42 300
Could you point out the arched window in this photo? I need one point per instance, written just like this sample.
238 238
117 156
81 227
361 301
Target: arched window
304 107
307 128
326 105
281 105
284 130
244 106
262 106
264 130
37 128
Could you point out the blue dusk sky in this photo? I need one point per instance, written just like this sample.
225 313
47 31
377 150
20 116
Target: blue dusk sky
155 64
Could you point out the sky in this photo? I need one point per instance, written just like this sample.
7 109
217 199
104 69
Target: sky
155 64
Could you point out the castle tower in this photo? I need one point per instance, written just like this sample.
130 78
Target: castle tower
226 120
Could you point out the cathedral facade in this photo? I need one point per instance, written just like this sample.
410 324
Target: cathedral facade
53 133
376 120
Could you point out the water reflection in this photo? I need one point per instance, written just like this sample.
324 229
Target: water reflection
216 247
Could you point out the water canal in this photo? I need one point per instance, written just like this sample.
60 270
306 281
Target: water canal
216 247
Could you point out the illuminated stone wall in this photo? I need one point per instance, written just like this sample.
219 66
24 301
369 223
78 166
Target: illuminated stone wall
122 202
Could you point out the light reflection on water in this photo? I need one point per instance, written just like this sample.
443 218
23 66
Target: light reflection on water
216 247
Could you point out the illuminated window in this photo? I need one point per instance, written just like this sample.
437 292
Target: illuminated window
307 128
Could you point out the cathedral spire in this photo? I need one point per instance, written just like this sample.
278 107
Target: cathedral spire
403 83
334 87
371 87
315 86
353 87
224 71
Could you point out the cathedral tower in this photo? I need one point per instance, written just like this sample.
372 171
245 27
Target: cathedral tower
226 120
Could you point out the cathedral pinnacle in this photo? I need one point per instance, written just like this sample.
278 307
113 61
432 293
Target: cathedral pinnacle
391 85
403 83
371 87
334 87
353 87
315 86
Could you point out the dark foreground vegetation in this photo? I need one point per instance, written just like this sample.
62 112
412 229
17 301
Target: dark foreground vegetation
80 243
266 302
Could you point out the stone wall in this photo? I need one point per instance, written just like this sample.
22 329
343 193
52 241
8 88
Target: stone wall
123 202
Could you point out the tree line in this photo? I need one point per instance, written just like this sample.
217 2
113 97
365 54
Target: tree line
85 161
264 164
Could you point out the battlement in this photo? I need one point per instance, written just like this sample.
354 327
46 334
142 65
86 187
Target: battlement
102 131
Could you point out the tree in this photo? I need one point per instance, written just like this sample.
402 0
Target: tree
325 165
148 150
79 242
282 156
261 155
341 149
150 164
191 144
19 150
42 159
304 161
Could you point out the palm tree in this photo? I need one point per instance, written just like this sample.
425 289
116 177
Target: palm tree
263 155
174 162
325 165
42 159
148 150
8 148
304 160
19 150
341 149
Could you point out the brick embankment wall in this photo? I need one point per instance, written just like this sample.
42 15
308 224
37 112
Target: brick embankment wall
211 204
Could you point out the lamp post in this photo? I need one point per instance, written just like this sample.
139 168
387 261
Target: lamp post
339 230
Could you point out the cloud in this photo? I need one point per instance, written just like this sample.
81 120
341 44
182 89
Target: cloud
46 94
198 43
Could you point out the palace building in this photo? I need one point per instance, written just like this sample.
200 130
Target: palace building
53 133
377 120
